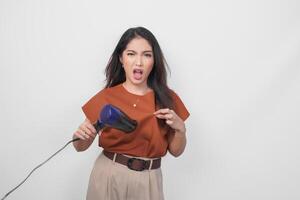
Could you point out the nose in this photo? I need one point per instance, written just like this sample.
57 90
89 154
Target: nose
139 61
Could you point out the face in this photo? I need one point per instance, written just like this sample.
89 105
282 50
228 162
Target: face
137 60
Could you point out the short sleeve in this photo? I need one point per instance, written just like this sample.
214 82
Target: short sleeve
179 107
93 106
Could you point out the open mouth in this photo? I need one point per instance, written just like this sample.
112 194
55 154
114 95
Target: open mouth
137 74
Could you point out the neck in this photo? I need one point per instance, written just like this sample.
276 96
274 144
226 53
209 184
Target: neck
136 89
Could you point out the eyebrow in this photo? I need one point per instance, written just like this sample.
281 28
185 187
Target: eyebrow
147 51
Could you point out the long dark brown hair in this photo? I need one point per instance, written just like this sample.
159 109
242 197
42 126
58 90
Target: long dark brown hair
157 79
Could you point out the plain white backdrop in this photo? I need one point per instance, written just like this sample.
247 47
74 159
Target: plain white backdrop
234 63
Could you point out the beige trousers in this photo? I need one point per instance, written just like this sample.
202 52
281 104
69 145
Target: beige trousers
113 181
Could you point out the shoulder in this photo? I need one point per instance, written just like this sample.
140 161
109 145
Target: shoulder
174 95
179 106
108 91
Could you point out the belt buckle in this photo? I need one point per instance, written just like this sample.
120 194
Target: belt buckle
130 164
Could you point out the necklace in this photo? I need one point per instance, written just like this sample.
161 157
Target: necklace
136 102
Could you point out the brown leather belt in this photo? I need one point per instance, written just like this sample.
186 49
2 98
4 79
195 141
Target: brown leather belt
133 163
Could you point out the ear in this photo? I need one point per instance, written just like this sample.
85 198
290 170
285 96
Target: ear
121 60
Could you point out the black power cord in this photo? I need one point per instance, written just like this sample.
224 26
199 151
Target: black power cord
73 140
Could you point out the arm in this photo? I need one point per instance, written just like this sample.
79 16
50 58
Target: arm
87 133
177 137
177 142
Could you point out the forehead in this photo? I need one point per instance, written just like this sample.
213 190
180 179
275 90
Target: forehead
139 44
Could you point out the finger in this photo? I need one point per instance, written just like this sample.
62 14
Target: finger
84 134
161 116
169 116
92 136
169 122
166 116
172 112
162 111
78 134
91 127
85 129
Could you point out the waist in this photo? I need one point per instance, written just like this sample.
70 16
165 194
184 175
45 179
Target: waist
133 163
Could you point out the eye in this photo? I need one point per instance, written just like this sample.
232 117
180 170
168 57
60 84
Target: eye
148 55
130 54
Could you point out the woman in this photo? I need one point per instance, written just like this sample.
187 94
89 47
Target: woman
129 166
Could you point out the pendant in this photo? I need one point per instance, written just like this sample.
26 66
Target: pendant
136 103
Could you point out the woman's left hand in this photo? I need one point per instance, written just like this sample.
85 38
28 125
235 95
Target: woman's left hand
171 118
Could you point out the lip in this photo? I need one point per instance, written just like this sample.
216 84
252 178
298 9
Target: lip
138 70
137 74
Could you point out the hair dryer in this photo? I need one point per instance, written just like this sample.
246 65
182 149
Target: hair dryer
112 117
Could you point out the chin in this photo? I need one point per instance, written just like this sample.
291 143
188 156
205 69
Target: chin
137 82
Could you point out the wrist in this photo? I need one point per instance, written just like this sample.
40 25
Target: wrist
181 130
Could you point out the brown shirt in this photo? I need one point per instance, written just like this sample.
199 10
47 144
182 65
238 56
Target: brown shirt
148 139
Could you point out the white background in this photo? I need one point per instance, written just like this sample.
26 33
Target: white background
234 63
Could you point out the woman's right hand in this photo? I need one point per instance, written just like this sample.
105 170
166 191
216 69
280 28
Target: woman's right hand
86 131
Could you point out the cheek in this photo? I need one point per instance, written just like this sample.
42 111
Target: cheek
127 61
149 69
126 69
149 63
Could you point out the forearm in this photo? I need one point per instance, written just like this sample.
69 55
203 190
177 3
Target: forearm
177 142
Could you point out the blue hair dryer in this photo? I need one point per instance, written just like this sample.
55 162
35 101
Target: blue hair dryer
113 117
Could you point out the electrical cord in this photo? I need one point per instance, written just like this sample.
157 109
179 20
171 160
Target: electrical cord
111 117
73 140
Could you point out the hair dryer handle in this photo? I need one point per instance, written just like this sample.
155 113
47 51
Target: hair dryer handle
98 126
